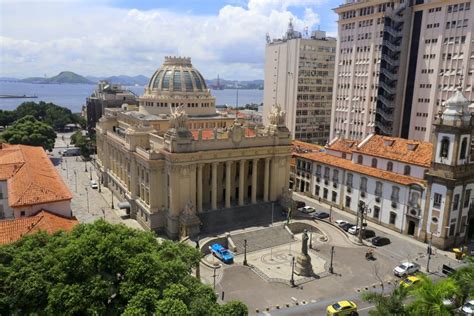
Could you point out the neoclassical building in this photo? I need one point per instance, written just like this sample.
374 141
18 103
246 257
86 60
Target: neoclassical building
174 157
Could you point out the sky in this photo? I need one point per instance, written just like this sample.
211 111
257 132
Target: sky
131 37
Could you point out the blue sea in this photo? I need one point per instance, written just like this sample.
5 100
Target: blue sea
73 96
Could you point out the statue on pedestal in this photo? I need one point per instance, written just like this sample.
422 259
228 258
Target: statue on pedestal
303 261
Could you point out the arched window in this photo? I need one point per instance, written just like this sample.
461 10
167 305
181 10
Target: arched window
407 170
463 152
443 153
374 162
359 159
389 166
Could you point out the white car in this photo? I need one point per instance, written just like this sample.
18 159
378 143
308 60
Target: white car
94 184
307 209
468 307
406 268
354 230
340 222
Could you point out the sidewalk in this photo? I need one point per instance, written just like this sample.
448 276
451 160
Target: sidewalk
381 228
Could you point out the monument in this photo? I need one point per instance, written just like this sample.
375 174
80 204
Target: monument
303 261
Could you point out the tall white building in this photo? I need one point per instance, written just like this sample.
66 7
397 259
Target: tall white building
397 62
299 76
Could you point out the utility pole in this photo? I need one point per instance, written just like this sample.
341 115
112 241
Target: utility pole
272 214
245 252
87 197
332 256
429 250
75 180
90 173
292 280
112 196
361 210
85 166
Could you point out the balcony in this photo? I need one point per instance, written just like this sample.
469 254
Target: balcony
388 74
386 87
390 60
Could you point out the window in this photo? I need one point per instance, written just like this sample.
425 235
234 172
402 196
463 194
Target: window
462 154
378 188
407 170
414 198
452 229
334 196
374 162
443 153
393 218
363 184
317 188
395 194
389 166
318 170
348 201
376 211
325 194
335 175
359 159
437 200
455 202
22 213
326 172
349 179
467 198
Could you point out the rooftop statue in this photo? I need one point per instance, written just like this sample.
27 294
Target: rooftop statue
277 116
178 118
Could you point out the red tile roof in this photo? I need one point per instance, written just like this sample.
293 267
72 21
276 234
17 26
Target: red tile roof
342 163
297 144
31 177
344 145
399 149
13 229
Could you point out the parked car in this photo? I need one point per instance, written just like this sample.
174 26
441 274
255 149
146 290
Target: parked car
320 215
94 184
468 307
347 226
307 209
410 281
367 233
222 253
380 241
300 204
342 308
341 222
406 268
354 230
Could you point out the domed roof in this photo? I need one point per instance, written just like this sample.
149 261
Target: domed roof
456 107
177 74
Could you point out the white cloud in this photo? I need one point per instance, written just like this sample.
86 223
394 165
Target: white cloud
95 39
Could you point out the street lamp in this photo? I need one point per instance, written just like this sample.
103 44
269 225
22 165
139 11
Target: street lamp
75 180
87 197
292 280
245 252
85 166
112 196
90 173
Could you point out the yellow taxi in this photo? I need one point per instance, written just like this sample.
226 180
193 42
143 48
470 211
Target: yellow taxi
410 281
341 308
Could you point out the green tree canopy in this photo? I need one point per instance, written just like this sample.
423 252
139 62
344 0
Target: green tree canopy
104 269
29 131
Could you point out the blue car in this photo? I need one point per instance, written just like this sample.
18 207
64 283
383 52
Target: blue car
222 253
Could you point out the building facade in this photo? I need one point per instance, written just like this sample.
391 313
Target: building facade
169 173
299 76
106 95
29 183
420 189
397 63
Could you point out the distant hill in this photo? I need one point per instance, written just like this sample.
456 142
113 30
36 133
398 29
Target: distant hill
122 79
9 79
62 77
234 84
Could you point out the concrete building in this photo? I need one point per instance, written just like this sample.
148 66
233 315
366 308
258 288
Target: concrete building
299 74
29 183
175 158
106 95
421 189
397 62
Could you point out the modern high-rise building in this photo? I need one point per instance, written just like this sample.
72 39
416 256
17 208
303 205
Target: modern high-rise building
397 63
299 75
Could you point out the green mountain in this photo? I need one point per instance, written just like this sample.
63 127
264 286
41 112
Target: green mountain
62 77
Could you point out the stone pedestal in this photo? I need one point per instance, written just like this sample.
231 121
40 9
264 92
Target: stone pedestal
303 265
189 225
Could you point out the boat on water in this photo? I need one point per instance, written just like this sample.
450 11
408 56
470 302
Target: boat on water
11 96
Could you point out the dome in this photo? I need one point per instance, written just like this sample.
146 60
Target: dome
177 75
456 107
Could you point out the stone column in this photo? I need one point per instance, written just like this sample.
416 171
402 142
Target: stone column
228 189
266 182
214 186
241 182
199 188
254 180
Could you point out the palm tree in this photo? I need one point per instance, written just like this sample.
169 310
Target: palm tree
428 297
391 304
464 278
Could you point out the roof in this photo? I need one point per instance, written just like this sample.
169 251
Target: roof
209 133
400 149
13 229
297 144
342 163
344 145
31 177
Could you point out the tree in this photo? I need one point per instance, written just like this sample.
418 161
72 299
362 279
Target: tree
104 269
429 296
464 278
387 304
85 144
29 131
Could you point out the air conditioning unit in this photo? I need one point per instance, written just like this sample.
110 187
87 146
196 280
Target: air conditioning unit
334 185
394 204
362 194
377 199
318 179
349 190
326 182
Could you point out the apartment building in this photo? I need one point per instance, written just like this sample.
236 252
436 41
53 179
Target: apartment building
397 62
299 75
